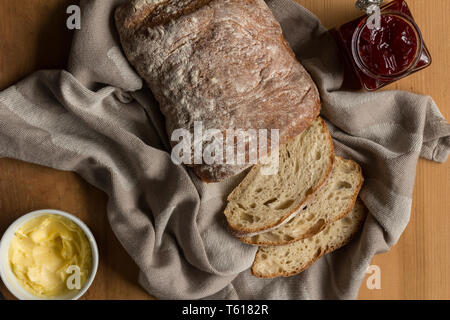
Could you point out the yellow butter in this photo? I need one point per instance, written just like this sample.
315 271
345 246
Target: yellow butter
43 249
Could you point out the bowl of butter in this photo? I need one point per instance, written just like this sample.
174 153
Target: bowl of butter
48 255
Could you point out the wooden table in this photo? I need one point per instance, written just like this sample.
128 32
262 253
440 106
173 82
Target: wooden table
33 36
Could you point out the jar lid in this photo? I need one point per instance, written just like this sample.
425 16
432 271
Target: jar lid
368 5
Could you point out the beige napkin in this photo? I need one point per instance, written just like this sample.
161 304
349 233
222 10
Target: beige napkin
96 120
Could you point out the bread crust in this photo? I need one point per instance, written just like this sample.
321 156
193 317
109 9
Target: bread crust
246 232
316 229
222 62
310 263
140 14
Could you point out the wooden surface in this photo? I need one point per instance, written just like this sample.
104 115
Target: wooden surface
33 36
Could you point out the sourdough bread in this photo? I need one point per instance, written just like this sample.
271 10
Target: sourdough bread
291 259
263 202
224 63
335 200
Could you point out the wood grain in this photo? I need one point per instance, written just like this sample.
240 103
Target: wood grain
33 36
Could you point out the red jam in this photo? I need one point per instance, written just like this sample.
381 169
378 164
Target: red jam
391 49
377 57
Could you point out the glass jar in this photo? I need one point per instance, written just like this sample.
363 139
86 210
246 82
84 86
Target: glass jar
376 57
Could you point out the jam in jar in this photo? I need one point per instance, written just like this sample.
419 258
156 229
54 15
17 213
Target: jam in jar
380 56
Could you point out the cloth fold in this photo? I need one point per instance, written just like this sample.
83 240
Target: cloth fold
99 120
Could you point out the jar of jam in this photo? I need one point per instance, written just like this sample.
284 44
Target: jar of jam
379 55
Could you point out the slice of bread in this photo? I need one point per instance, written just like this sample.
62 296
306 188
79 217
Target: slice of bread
291 259
263 202
335 200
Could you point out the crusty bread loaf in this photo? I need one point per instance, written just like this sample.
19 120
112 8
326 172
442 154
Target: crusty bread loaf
264 202
335 200
222 62
291 259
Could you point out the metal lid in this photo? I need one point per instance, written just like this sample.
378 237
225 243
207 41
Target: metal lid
368 5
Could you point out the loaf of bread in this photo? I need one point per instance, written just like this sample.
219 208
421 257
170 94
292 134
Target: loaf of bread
291 259
222 62
335 200
265 202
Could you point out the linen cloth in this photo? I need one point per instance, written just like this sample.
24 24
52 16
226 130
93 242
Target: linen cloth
98 119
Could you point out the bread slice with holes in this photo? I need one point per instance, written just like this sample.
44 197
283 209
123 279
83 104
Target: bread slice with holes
263 202
291 259
334 201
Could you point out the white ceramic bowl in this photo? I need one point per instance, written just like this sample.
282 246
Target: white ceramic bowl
8 276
